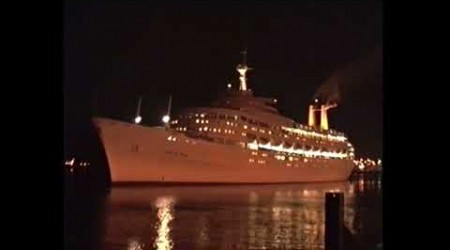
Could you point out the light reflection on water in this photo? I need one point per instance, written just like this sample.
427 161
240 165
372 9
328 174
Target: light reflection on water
165 213
230 217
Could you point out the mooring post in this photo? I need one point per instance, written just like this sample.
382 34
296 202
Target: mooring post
334 220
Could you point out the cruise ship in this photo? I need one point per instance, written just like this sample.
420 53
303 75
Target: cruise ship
239 138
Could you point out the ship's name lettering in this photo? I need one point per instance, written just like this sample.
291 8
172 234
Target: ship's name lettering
175 153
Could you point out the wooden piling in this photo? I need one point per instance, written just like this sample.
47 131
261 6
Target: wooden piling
334 220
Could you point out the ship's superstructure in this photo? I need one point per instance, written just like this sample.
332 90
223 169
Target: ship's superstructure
240 138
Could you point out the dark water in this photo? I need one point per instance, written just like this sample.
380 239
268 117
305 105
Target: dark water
218 217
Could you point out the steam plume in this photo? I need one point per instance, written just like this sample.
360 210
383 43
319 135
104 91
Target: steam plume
352 76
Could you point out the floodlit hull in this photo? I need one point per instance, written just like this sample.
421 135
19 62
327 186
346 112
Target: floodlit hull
145 154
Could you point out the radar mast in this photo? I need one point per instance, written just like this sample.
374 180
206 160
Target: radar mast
242 69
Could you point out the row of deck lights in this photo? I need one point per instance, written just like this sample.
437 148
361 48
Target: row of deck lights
255 146
298 131
315 134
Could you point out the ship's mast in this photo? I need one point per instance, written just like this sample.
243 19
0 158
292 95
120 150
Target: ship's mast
138 117
242 69
169 106
166 117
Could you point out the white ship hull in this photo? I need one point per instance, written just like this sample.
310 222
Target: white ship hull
144 154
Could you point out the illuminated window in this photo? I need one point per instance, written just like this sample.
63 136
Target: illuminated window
280 157
197 120
245 126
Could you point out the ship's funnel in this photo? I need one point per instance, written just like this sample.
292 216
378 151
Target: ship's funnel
323 117
311 116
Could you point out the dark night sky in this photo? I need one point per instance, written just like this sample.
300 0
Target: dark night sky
116 51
